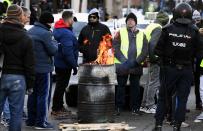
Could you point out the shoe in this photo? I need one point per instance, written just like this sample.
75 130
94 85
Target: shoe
117 112
187 110
45 126
198 120
176 128
24 116
5 122
60 112
29 125
184 125
198 106
137 112
157 128
148 110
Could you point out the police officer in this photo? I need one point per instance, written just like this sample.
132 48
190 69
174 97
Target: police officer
178 43
130 45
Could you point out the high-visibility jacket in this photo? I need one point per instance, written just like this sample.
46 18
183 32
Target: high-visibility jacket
149 30
8 2
125 43
201 64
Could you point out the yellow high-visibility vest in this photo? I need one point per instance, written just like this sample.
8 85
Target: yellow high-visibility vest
125 43
149 30
201 64
8 2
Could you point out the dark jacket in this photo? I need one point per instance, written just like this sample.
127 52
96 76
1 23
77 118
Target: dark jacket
67 54
93 34
155 34
18 52
44 48
132 52
179 44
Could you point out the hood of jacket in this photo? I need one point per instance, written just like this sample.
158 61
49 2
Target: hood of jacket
60 24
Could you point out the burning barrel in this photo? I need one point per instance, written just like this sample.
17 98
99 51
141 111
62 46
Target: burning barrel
96 93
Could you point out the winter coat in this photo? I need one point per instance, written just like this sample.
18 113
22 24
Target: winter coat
18 52
132 52
67 54
89 40
44 48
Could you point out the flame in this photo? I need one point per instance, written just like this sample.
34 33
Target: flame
105 51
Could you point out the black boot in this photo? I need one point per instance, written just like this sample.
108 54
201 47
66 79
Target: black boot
157 128
117 112
176 126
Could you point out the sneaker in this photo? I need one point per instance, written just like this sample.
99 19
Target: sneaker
184 124
148 110
198 106
29 125
137 112
5 122
45 126
117 112
198 120
157 128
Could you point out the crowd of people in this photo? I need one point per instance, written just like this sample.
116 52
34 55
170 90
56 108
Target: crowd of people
172 49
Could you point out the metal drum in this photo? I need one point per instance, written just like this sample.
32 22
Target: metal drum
96 93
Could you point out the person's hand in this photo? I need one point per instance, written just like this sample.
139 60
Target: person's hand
201 31
75 71
29 91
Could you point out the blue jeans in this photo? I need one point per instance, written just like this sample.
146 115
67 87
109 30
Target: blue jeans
13 88
134 91
6 111
38 101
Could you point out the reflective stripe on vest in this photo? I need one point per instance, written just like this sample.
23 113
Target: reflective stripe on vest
149 30
201 64
8 2
125 43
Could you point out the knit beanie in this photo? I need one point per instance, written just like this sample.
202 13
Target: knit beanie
46 17
162 18
196 15
14 12
131 15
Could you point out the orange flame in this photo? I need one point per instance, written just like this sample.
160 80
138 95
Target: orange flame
105 51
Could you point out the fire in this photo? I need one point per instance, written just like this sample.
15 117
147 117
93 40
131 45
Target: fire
105 51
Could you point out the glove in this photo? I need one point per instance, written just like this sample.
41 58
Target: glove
75 70
129 64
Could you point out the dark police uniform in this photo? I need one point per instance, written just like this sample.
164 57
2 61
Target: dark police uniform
179 43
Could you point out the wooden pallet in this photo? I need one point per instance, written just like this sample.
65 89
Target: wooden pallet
98 126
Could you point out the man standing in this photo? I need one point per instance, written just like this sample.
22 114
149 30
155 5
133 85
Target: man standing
91 35
18 66
130 46
65 60
44 48
153 32
177 46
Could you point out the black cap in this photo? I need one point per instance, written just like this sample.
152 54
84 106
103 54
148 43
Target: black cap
131 15
46 17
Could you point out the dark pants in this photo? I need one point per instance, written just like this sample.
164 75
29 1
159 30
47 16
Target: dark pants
134 91
197 82
38 101
62 80
178 80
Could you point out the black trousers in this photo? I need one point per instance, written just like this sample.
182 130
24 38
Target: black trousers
62 81
178 80
134 91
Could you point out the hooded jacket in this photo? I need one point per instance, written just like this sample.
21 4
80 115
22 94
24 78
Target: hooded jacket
44 48
18 52
67 54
